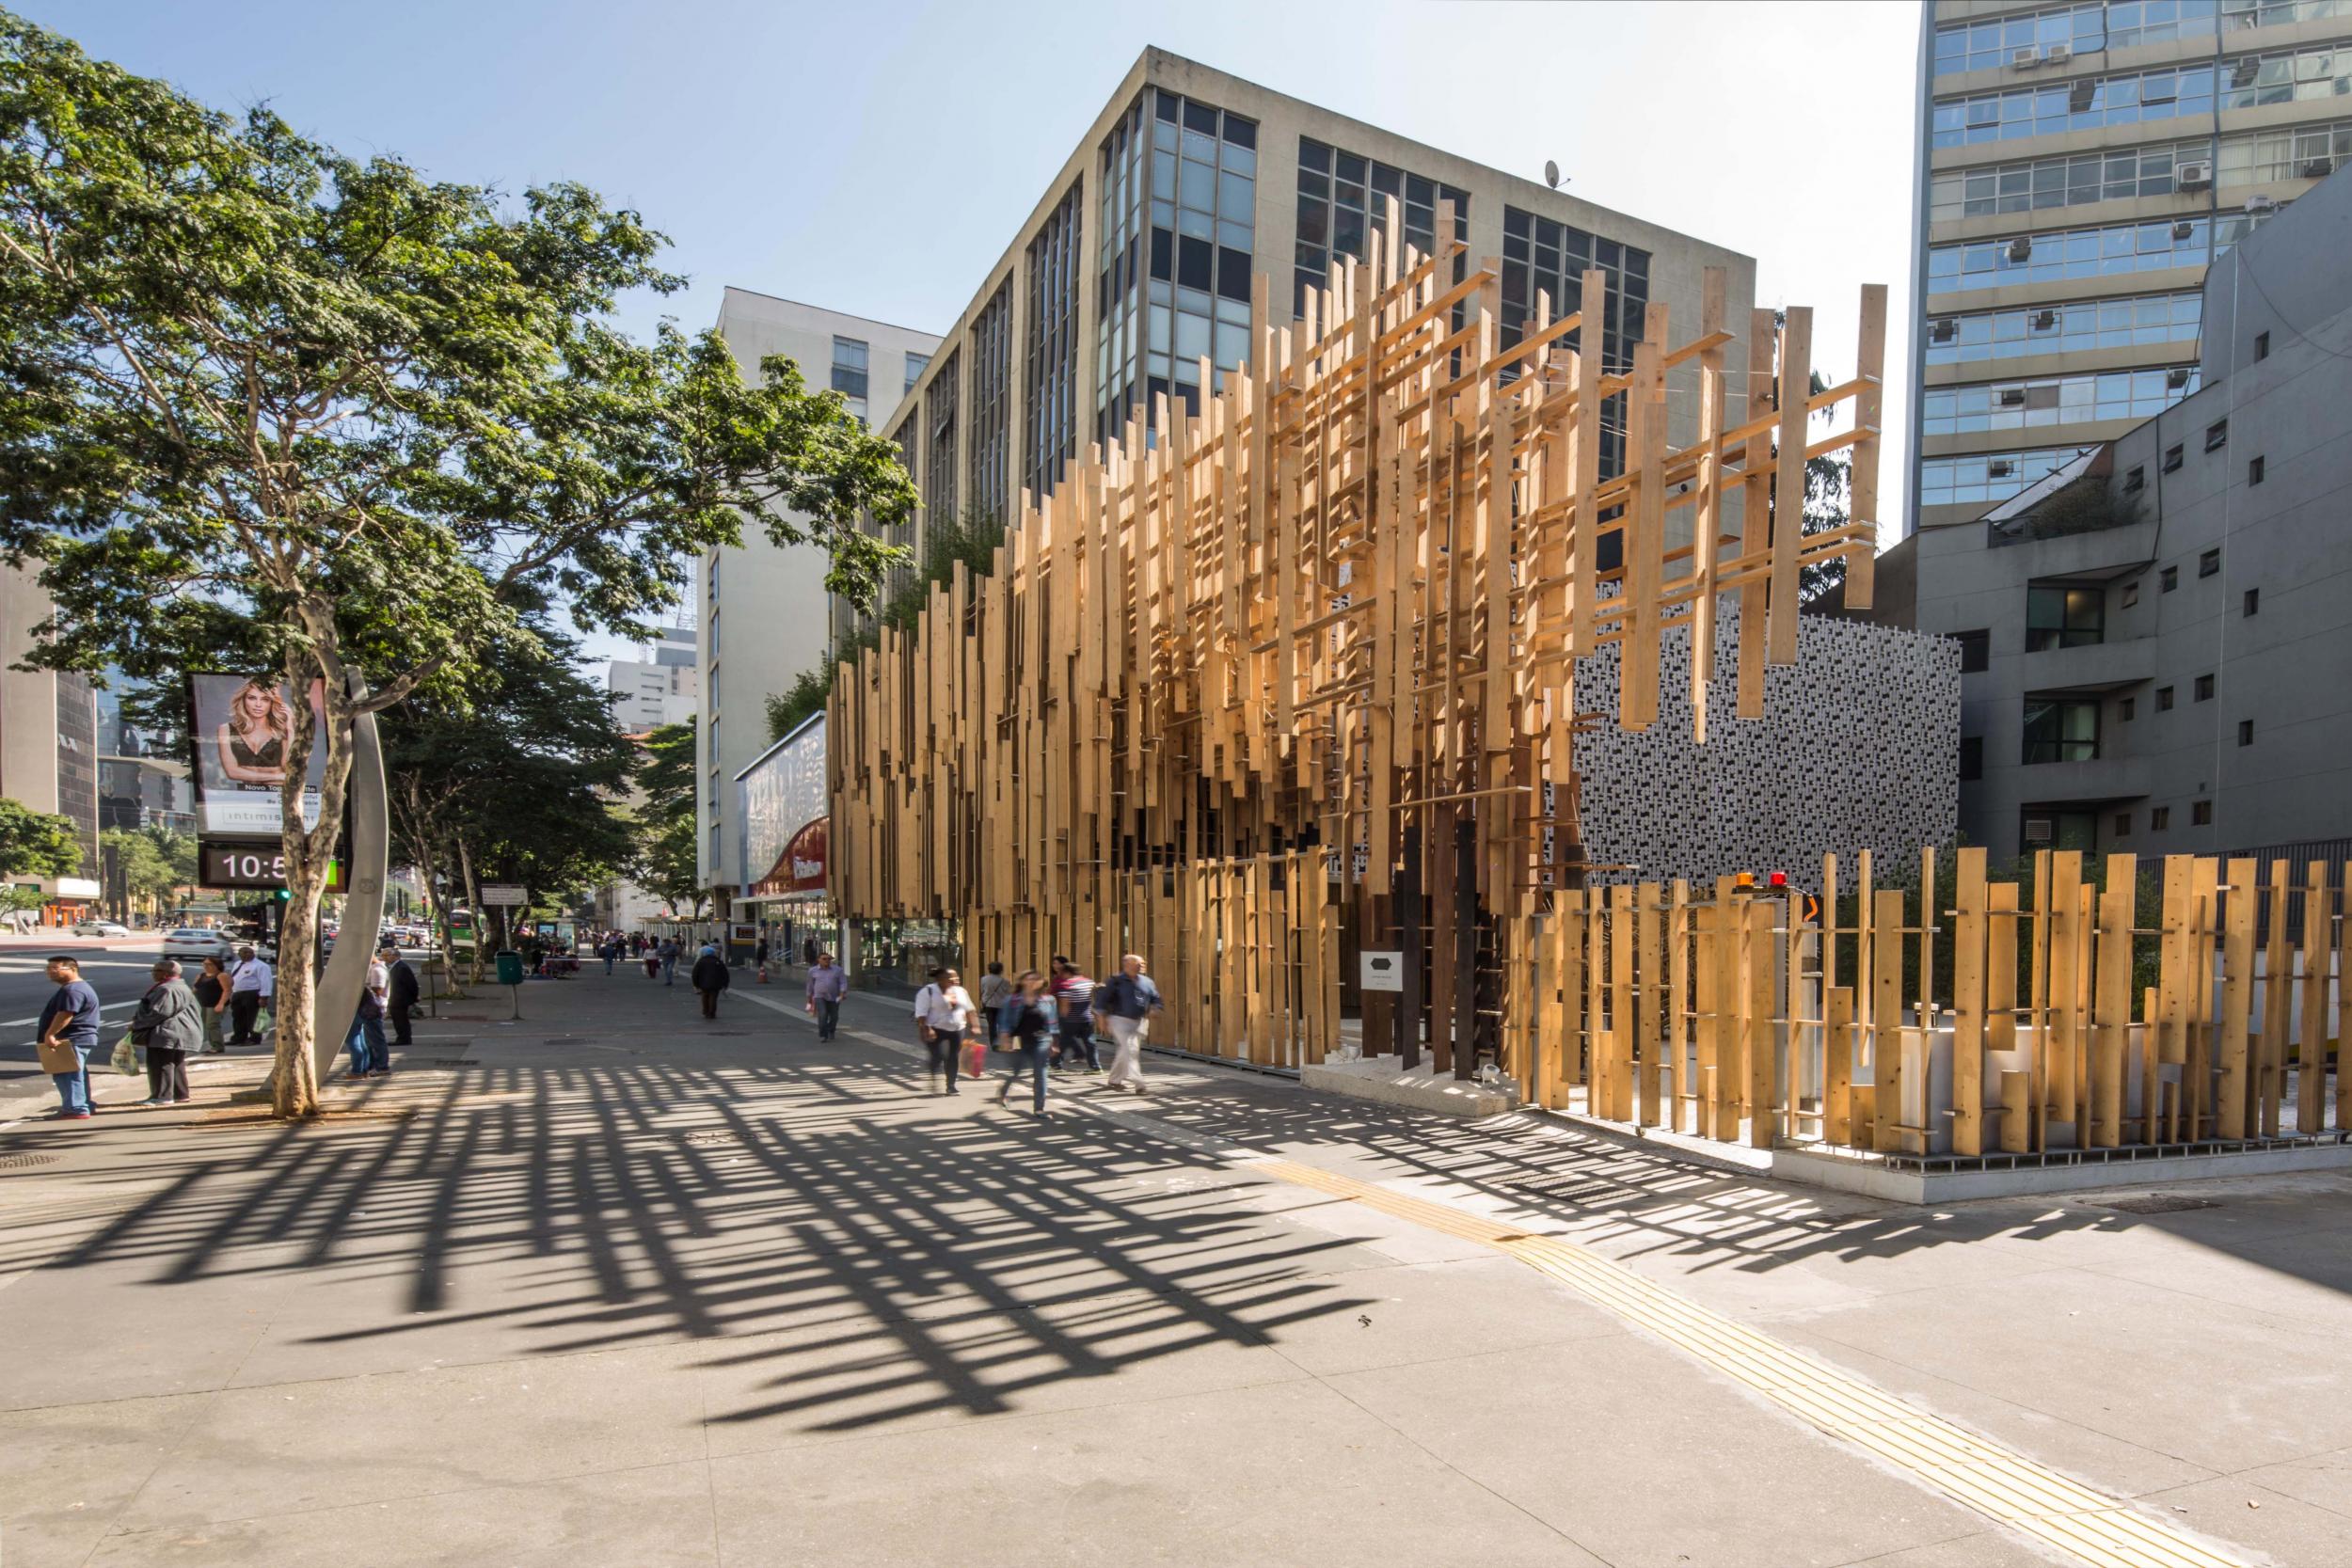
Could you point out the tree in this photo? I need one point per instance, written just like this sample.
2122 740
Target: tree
37 844
666 859
135 864
273 409
788 709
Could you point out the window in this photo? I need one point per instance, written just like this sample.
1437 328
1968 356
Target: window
2132 321
939 418
2253 601
1049 414
989 426
2128 709
2061 729
2170 579
848 375
2164 699
1543 257
2172 459
1988 476
2246 732
2064 255
2121 175
2209 563
2159 819
2261 346
915 363
2135 481
2122 824
2045 401
2201 814
2064 618
2131 593
1972 756
2254 471
1976 651
2204 689
2217 435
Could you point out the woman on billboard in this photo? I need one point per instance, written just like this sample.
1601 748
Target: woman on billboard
257 734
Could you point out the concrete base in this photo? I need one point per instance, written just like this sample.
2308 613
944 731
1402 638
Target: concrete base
2062 1171
1382 1079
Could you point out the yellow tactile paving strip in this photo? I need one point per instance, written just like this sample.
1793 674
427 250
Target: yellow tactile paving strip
1969 1469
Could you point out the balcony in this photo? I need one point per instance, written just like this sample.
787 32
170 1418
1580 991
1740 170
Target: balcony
2094 667
2101 779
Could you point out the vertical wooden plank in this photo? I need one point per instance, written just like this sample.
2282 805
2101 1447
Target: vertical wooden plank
1707 527
2278 992
1838 1066
1678 1086
2000 1015
2311 1050
1622 1027
1968 948
1756 1025
1887 1021
2111 1020
1649 1000
1863 492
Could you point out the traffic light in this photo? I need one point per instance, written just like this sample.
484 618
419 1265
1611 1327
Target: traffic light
285 894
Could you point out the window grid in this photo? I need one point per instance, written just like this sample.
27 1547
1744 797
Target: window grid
848 375
2061 729
1950 481
2044 401
1179 227
916 365
1050 385
2079 103
2287 76
2064 328
989 423
1342 201
2070 181
939 423
1540 254
2293 153
2111 250
1983 45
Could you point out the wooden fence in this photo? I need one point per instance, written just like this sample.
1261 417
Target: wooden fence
2061 1024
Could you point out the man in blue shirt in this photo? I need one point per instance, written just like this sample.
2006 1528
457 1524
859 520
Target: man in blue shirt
1127 1002
69 1033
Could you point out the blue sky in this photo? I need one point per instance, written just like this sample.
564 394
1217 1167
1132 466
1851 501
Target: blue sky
874 159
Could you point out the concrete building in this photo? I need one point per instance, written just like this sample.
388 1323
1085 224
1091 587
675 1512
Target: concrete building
1136 262
142 771
2080 167
48 738
780 625
2156 638
663 689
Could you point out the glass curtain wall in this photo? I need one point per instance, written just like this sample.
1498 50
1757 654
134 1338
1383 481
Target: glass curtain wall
1050 401
1542 255
1342 201
1179 184
987 426
939 423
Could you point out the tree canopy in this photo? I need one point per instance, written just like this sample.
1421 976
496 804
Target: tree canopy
666 860
272 408
37 844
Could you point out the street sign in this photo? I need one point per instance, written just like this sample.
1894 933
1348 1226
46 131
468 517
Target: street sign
506 894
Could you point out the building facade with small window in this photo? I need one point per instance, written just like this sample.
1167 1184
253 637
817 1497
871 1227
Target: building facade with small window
1129 286
2156 636
2081 164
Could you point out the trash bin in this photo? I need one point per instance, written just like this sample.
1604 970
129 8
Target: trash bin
510 968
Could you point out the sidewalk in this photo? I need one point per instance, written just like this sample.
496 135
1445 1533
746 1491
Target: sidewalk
618 1285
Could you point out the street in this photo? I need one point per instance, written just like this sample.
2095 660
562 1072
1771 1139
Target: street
615 1285
119 970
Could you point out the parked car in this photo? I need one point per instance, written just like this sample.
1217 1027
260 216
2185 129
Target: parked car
100 929
189 942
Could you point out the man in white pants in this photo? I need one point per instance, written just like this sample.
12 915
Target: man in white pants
1127 1002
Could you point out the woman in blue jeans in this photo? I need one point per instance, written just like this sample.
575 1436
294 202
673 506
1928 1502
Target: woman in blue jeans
1032 1022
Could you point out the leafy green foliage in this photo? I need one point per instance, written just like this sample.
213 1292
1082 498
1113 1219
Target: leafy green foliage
34 844
149 864
665 864
268 406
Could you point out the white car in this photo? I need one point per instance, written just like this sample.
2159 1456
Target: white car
100 929
194 942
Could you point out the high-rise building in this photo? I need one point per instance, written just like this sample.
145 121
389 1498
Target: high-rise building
663 689
48 737
2156 638
1130 279
765 617
2080 166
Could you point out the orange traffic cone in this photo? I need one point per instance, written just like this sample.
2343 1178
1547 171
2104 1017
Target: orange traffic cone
763 974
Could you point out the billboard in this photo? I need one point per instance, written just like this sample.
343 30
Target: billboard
242 732
781 795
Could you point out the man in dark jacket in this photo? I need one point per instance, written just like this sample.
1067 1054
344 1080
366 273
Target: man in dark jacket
403 990
167 1025
711 977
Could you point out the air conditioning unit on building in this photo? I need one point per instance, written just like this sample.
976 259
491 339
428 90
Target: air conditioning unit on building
2194 175
2258 207
2184 228
2318 168
2058 54
1999 468
2177 378
2044 321
2013 397
2024 60
1944 331
2021 250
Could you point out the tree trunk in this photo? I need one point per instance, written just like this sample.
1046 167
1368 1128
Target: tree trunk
294 1078
473 901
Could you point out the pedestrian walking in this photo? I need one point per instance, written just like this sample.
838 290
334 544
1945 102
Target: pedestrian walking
995 988
69 1033
669 960
250 983
166 1026
1127 1002
828 983
943 1016
609 951
711 977
211 988
1073 1006
401 997
809 949
761 952
1031 1010
369 1057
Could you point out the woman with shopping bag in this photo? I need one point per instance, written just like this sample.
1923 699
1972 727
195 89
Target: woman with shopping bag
167 1028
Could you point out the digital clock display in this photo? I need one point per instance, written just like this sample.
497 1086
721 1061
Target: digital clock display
254 864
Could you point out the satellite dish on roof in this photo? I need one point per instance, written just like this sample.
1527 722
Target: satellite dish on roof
1552 173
